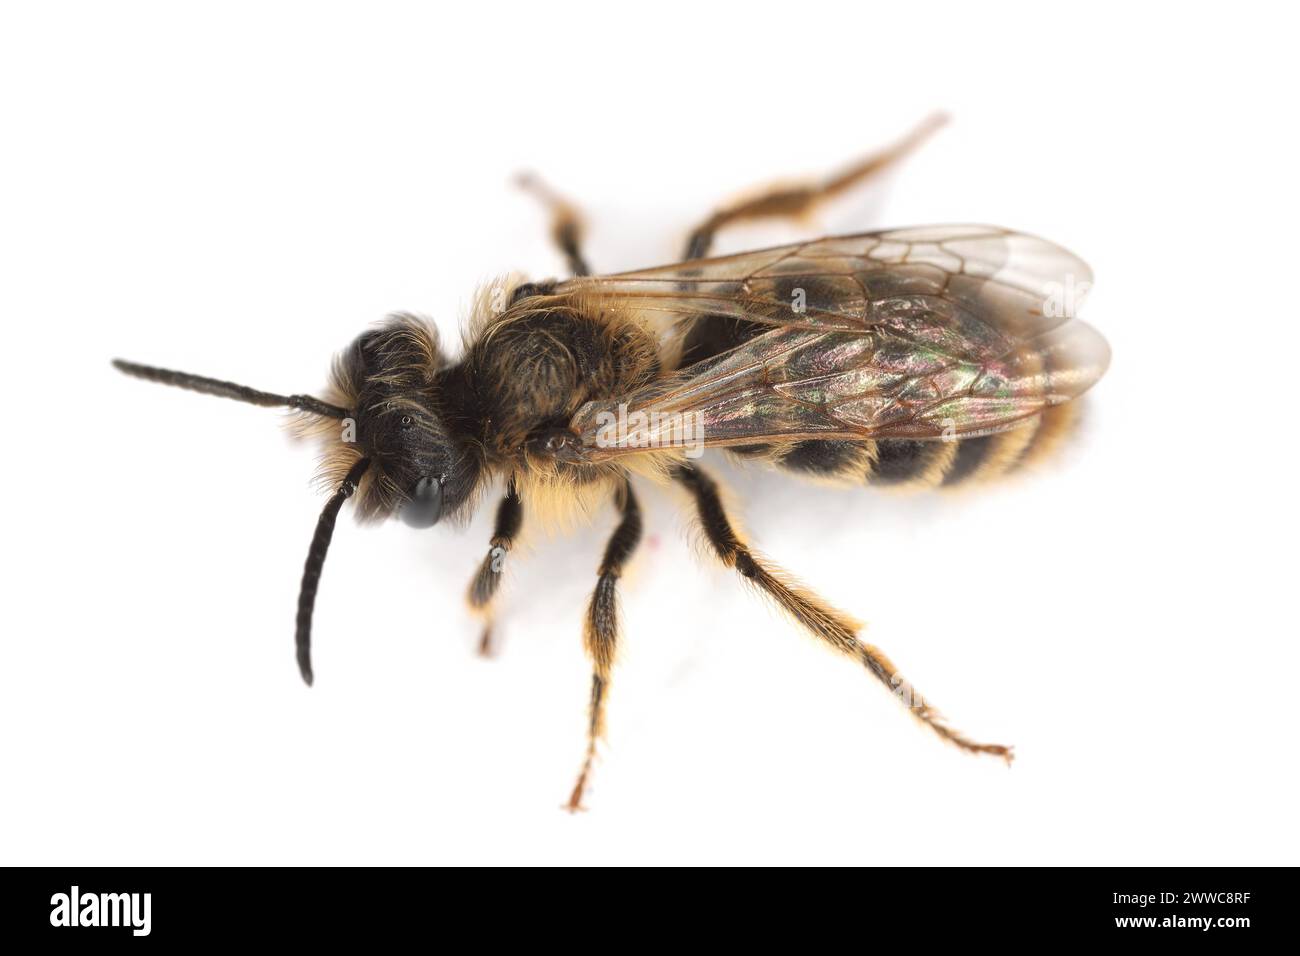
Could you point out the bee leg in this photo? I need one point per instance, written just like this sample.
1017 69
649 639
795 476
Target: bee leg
831 625
567 226
483 586
600 634
793 201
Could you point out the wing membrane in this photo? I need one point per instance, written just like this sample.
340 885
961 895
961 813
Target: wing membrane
951 331
853 282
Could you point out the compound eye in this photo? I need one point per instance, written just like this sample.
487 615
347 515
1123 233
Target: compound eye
425 506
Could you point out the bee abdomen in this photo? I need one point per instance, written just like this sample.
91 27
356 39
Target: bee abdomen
827 459
989 457
884 463
900 462
840 461
920 463
932 463
1053 427
916 463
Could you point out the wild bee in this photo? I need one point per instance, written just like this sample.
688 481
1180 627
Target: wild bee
923 357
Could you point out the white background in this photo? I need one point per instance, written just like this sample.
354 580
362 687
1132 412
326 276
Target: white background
238 190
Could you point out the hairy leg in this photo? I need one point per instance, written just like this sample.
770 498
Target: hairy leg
829 624
795 201
483 586
566 222
600 635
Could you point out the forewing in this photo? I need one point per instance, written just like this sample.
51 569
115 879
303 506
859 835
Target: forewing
952 331
855 282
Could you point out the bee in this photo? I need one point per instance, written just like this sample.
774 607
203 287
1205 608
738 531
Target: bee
922 357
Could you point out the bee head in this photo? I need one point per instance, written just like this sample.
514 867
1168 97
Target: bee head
423 468
397 434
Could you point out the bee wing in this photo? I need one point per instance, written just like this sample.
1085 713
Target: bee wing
855 282
946 331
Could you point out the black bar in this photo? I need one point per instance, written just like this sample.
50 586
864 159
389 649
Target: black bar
914 907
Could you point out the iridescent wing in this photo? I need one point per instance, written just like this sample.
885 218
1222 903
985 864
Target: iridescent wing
934 332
